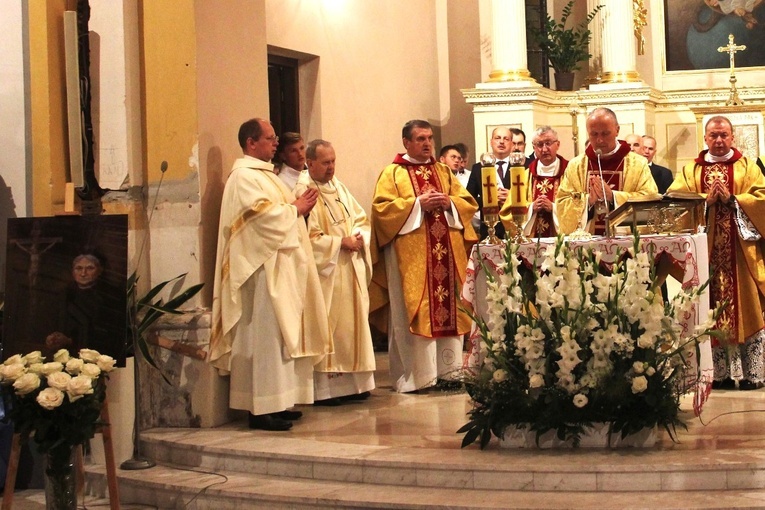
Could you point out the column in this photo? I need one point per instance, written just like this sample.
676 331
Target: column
508 34
595 66
619 52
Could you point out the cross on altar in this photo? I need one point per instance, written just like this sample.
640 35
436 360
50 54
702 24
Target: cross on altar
488 185
731 49
518 185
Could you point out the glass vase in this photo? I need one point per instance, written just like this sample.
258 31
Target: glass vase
61 478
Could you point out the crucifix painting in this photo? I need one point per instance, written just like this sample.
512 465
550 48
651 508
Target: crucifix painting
66 285
694 29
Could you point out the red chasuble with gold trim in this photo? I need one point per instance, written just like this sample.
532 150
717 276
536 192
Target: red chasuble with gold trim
722 256
441 274
613 175
542 185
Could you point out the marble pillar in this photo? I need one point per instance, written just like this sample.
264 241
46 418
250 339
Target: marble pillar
508 32
619 49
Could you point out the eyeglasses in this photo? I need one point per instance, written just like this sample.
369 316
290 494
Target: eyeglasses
329 210
272 139
540 145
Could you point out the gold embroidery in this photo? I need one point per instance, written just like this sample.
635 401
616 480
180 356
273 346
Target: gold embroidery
543 186
441 294
424 172
439 251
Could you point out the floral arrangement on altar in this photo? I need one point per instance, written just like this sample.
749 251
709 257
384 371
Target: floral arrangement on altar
59 402
573 341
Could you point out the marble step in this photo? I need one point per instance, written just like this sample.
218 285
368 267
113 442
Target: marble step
239 450
167 487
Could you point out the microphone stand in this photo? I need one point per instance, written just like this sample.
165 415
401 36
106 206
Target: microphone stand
599 152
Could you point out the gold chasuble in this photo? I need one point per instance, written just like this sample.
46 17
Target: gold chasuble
261 231
432 258
627 173
737 264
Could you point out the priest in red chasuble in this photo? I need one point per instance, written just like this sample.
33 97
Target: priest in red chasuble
420 228
543 179
735 196
607 174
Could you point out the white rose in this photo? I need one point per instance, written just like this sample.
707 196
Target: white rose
89 355
91 370
74 366
62 356
106 363
35 368
14 360
580 400
536 381
78 387
50 398
639 384
27 383
637 367
12 372
499 375
34 357
52 367
650 371
59 380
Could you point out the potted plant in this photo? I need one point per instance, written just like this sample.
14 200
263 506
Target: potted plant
565 47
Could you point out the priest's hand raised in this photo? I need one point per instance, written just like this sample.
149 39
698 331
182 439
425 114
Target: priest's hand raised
306 201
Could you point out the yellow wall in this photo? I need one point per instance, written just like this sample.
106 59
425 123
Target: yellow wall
47 102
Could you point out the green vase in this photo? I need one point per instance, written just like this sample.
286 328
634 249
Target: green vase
60 478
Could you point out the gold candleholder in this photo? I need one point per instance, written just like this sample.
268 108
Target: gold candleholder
490 219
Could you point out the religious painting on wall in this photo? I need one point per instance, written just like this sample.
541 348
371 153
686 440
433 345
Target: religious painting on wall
695 29
66 285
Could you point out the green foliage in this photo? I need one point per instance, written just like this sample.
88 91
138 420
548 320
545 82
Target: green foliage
144 312
564 46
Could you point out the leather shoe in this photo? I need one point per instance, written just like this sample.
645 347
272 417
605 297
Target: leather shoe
357 396
725 384
747 385
288 415
268 422
328 402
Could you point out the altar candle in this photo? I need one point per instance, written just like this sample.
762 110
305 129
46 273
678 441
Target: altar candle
518 181
489 186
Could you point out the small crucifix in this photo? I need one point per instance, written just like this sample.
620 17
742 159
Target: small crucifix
731 49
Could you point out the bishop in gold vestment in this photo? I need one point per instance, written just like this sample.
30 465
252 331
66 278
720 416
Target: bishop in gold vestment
420 223
735 191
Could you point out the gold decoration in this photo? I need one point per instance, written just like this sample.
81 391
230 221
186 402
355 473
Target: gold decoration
640 19
731 49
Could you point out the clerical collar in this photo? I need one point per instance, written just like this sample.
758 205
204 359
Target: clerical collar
415 161
609 154
548 170
709 158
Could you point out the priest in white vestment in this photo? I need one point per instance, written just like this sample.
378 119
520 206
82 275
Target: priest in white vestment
339 230
269 319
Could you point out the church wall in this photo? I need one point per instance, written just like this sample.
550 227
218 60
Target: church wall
13 129
377 68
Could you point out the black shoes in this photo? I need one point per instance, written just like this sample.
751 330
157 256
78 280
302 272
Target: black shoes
725 384
747 385
355 397
268 422
328 402
288 415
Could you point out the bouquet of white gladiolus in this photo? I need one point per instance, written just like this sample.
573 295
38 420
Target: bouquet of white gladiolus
572 341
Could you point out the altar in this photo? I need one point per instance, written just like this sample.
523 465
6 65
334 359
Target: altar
684 257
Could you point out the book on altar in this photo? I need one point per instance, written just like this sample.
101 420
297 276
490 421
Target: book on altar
654 214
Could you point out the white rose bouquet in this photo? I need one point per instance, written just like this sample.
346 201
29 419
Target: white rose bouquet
570 342
59 402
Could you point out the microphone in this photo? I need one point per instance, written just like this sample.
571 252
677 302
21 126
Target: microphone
163 167
599 153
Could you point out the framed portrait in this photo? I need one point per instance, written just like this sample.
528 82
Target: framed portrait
66 285
695 29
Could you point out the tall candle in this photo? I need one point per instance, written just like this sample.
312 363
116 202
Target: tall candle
518 182
489 187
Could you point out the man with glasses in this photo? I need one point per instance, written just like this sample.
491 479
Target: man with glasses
340 234
420 229
503 141
269 322
545 172
735 198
